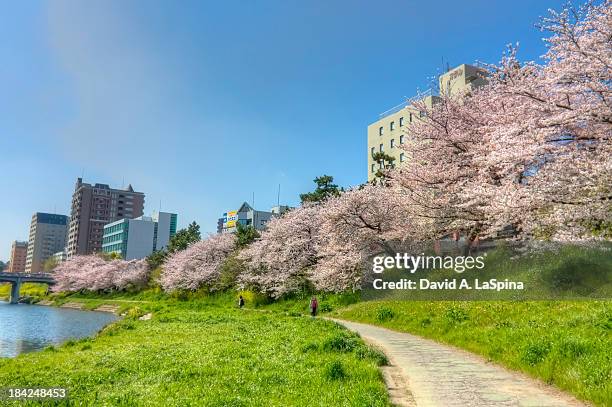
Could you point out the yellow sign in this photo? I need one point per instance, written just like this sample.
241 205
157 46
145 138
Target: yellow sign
229 219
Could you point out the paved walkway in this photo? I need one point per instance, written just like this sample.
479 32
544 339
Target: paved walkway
444 376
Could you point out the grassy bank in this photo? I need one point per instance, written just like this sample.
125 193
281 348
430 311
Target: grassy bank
201 354
34 290
567 344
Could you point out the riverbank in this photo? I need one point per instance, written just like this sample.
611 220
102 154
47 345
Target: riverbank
35 291
563 343
208 353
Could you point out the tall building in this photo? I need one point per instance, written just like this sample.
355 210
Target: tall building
247 216
138 238
389 132
461 79
94 206
19 253
47 237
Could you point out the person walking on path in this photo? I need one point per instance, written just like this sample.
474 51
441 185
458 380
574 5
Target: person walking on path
240 302
314 304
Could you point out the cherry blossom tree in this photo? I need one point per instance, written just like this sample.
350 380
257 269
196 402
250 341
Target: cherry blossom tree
280 261
530 150
355 226
93 273
134 273
570 122
198 265
328 244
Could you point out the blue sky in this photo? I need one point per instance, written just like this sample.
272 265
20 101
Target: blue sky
199 104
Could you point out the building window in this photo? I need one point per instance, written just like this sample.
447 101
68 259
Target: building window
392 143
422 114
402 139
401 121
373 150
392 126
402 157
381 148
373 167
380 131
410 118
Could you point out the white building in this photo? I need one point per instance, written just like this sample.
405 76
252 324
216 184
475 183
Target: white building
137 238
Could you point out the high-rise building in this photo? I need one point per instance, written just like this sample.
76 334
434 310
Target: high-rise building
138 238
389 132
94 206
47 236
19 253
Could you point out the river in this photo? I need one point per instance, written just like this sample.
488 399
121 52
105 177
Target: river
25 328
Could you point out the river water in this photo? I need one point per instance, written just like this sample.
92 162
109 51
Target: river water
25 328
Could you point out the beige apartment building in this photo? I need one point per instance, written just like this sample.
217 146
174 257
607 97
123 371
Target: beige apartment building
94 206
47 237
391 130
19 252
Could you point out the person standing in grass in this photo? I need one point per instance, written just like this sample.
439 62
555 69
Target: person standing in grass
240 302
314 304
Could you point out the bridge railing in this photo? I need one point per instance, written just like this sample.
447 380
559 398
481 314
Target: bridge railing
27 275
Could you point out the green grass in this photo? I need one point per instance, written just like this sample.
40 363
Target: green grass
203 353
564 343
27 289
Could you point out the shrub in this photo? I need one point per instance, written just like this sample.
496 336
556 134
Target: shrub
455 314
310 347
341 343
335 371
535 352
135 312
572 348
326 308
384 314
425 322
372 353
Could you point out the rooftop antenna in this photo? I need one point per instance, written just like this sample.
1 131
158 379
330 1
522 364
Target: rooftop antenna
278 197
253 200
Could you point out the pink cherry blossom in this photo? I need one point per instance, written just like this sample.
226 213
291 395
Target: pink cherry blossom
281 259
93 273
198 265
532 150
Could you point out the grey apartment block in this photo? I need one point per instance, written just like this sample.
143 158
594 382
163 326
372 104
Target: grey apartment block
94 206
47 237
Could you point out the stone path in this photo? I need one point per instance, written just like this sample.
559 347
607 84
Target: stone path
73 305
440 375
108 308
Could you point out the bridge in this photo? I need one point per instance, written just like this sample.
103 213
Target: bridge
17 278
